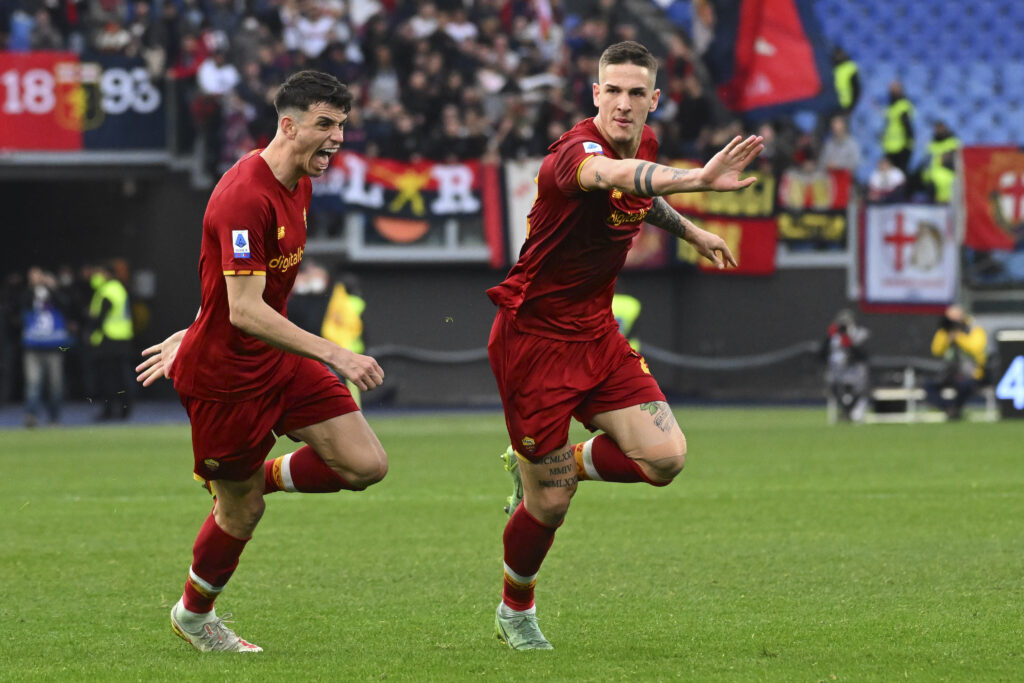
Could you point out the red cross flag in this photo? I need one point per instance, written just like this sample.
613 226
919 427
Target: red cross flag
908 256
993 197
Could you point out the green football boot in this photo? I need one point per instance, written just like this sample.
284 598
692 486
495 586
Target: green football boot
520 631
511 462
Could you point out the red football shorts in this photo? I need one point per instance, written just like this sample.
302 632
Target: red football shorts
231 440
544 382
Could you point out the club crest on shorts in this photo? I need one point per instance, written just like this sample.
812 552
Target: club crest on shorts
529 445
211 464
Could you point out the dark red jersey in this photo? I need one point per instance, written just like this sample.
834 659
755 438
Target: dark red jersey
253 226
562 285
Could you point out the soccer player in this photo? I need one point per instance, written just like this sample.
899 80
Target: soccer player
245 373
555 348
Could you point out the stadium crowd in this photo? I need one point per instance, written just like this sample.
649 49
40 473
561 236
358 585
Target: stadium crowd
445 80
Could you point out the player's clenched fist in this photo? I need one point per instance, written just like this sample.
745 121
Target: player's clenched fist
363 371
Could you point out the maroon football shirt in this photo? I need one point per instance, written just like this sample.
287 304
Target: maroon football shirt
562 285
253 226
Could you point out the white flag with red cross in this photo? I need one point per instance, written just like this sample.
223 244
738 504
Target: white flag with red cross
909 255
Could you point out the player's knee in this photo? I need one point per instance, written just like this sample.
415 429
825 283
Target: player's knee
551 504
368 472
664 462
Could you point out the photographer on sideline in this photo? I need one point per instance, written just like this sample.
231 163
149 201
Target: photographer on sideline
962 345
847 366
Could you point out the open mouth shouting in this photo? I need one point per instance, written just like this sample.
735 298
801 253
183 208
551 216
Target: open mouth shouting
322 157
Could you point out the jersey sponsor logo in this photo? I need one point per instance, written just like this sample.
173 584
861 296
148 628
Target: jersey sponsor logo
211 464
286 261
592 148
529 445
240 243
618 217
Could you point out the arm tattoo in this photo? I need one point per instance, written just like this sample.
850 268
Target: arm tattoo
663 417
648 185
636 177
668 219
597 176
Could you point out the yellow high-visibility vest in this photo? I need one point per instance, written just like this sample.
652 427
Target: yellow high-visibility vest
117 325
843 75
895 138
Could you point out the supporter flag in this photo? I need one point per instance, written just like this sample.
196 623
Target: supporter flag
751 240
769 56
993 197
908 256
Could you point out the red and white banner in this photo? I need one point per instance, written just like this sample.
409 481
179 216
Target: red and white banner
909 255
993 197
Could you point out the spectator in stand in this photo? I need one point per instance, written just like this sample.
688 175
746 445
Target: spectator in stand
800 185
898 137
216 78
406 140
840 151
44 35
694 115
887 183
312 25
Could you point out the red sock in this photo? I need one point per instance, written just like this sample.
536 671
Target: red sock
303 471
527 541
214 558
601 459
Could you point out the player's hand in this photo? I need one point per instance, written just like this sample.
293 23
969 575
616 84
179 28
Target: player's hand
709 245
159 359
722 173
363 371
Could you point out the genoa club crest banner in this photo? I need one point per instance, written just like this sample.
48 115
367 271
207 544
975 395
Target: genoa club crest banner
993 197
769 56
60 101
909 255
405 198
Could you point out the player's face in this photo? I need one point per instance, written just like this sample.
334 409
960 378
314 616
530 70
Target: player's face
624 98
320 132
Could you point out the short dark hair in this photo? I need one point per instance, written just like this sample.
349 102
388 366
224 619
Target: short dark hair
306 88
629 52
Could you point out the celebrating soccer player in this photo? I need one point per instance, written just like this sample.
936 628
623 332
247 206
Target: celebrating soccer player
555 348
245 373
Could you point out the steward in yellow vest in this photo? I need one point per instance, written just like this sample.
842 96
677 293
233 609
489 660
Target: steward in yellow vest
111 339
939 175
898 138
846 79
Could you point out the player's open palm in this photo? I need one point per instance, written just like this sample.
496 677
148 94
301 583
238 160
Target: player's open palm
722 172
159 359
363 371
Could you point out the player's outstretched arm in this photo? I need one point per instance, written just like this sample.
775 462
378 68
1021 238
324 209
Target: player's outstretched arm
648 179
709 245
251 314
159 359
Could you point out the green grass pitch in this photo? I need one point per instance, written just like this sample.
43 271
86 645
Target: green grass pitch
788 550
